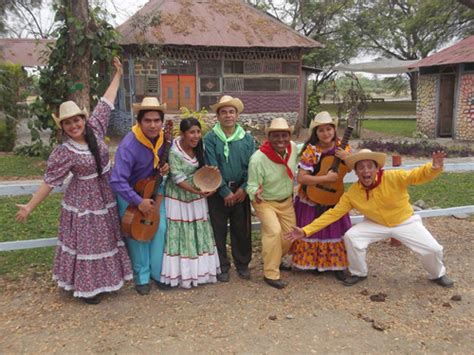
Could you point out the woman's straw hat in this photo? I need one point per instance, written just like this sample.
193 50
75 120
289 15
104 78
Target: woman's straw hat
227 100
149 103
322 118
365 154
207 179
69 109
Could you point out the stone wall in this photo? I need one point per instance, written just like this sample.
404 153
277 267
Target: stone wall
426 105
120 121
464 129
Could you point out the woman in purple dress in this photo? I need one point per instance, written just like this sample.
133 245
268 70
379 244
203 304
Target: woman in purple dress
91 257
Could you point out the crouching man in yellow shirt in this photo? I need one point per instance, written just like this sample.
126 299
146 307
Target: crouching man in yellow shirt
382 197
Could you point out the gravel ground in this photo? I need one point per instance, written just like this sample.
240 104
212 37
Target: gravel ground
313 314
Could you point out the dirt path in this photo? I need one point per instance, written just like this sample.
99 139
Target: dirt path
313 314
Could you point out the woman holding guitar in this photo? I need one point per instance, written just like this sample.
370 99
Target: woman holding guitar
190 256
90 257
320 189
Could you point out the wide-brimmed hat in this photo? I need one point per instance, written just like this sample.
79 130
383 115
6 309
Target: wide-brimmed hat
207 179
322 118
365 154
149 103
279 124
69 109
227 100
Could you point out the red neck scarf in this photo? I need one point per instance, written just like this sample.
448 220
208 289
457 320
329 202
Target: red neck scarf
377 182
267 149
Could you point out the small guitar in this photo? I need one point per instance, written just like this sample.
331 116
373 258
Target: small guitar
328 194
141 226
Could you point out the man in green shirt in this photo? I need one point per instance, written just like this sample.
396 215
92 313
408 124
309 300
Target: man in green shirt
229 148
270 187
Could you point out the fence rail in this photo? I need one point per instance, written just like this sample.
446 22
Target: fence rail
48 242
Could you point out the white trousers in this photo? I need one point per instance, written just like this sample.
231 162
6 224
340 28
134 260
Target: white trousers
411 232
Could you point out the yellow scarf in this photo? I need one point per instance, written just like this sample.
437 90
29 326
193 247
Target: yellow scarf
137 131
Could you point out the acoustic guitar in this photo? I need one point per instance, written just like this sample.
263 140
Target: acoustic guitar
141 226
328 194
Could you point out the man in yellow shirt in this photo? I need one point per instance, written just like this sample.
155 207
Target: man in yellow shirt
382 197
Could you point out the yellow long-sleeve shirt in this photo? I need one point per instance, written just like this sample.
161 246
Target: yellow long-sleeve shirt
388 203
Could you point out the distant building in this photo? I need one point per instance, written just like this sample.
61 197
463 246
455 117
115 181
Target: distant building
201 50
445 105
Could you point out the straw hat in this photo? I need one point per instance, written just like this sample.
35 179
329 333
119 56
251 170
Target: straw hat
149 103
365 154
69 109
278 125
227 100
322 118
207 179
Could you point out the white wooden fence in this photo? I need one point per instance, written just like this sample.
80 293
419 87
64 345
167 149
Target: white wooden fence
47 242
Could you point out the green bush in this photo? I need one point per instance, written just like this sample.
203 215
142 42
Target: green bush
7 135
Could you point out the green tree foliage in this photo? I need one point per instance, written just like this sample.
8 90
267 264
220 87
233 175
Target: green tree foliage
57 83
409 29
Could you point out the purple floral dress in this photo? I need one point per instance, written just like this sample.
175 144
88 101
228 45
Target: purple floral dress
91 257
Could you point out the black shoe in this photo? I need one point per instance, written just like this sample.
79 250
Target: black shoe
223 277
244 274
340 275
444 281
285 266
162 286
143 290
92 300
352 280
279 284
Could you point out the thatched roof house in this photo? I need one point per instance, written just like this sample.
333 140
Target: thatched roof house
189 53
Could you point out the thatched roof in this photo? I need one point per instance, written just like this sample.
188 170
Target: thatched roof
216 23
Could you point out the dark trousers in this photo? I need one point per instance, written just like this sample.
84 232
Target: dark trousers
240 231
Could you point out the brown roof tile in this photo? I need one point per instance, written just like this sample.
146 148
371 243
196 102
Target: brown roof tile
26 52
461 52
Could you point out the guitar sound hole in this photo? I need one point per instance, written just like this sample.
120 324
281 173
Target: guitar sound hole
145 222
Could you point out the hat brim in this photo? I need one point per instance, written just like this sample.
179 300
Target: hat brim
317 124
239 106
379 158
138 107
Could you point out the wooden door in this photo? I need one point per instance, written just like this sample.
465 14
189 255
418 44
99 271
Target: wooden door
446 103
187 91
169 91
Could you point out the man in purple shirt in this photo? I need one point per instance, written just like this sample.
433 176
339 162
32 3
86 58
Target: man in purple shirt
137 156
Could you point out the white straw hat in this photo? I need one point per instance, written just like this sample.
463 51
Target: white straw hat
365 154
69 109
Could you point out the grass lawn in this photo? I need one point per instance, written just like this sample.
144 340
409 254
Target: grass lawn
42 223
449 190
12 165
401 128
389 108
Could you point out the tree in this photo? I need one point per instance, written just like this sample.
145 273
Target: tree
20 9
409 29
